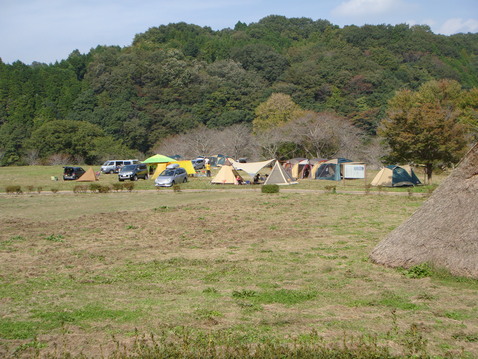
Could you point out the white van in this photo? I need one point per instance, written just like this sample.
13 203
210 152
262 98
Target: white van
114 166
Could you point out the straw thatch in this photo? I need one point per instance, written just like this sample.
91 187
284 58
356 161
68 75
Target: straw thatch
444 231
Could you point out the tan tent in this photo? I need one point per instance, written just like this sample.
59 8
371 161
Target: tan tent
444 231
279 176
226 175
88 176
251 168
396 176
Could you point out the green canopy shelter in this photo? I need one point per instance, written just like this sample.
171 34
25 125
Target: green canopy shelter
158 159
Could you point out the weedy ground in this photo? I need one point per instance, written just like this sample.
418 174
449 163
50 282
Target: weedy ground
91 273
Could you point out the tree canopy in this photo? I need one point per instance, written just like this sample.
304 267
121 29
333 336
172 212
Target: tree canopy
178 77
425 126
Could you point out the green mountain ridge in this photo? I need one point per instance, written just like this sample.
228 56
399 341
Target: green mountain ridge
176 77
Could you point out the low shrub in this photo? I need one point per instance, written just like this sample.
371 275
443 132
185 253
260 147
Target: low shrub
80 189
104 189
270 188
176 188
129 186
94 187
14 189
118 187
39 189
54 190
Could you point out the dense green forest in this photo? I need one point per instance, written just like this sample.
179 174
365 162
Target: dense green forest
117 101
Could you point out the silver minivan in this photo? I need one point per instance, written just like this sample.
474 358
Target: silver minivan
114 166
173 174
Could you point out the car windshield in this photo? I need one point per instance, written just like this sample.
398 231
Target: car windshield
167 173
128 168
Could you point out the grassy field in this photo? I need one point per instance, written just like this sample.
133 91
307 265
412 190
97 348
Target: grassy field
93 273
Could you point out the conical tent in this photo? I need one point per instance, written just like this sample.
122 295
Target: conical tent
396 176
88 176
226 175
279 176
444 231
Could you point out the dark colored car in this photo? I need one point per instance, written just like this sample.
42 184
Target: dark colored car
71 173
133 172
198 163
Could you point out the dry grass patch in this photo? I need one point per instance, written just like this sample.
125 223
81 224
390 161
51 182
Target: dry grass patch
258 266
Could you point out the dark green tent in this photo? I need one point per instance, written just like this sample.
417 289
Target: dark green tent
331 170
396 176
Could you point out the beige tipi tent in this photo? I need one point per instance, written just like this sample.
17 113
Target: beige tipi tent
444 231
226 175
88 176
279 176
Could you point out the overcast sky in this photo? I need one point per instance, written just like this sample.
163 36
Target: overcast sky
49 30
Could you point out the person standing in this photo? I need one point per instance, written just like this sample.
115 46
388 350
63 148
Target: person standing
208 169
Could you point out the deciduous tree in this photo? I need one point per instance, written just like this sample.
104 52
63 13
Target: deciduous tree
276 111
424 127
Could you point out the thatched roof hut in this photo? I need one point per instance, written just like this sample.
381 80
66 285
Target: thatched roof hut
444 231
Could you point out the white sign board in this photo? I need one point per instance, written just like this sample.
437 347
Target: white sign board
354 171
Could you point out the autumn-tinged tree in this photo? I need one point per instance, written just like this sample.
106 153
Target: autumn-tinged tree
424 127
276 111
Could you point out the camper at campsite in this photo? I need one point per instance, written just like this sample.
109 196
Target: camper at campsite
208 168
257 178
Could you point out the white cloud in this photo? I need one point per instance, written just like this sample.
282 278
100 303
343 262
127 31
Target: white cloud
456 25
355 8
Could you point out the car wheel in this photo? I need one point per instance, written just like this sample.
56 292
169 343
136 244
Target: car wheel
111 172
135 178
146 177
185 180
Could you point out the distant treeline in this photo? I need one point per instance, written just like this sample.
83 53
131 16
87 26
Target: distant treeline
119 101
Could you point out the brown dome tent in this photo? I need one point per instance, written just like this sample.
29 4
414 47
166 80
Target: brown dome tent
444 231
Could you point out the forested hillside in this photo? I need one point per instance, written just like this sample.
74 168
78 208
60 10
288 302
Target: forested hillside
117 101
